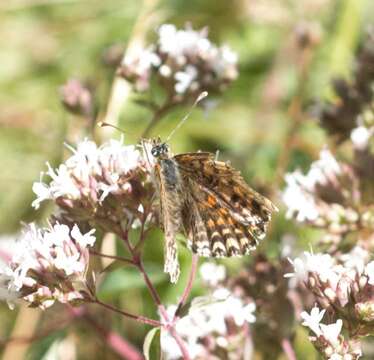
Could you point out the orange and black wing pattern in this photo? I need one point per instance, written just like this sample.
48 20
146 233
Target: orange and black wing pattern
222 215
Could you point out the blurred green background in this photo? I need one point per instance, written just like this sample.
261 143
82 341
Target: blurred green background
289 51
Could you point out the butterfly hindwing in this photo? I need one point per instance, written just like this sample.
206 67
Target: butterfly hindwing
211 229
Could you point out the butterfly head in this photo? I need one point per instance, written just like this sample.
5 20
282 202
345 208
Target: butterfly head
160 150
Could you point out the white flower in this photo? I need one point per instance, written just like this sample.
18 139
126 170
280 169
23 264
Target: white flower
355 259
212 273
331 332
360 137
321 264
142 60
165 71
298 199
42 192
83 240
324 167
312 320
299 194
206 317
167 38
248 313
369 270
184 79
336 356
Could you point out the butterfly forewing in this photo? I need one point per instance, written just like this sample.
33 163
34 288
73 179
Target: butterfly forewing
225 184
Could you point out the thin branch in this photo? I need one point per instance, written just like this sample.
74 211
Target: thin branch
139 264
138 318
113 257
181 344
188 288
136 258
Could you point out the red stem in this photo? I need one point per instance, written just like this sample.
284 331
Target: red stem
288 349
111 338
188 288
180 342
123 348
169 325
139 264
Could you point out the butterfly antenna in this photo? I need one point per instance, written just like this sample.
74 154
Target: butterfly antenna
202 95
142 141
104 124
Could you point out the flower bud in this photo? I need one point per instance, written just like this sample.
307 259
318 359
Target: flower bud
365 310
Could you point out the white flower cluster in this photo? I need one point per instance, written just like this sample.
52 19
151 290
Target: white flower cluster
323 197
299 195
328 337
91 173
186 62
49 265
344 286
335 272
207 318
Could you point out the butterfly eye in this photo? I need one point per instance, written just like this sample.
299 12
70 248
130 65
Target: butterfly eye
155 151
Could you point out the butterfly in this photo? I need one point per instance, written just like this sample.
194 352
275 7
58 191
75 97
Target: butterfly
210 201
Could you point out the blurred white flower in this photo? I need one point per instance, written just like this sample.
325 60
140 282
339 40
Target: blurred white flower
185 61
313 320
355 259
8 246
298 199
212 273
321 264
331 332
184 79
369 270
207 317
360 137
327 335
324 196
335 272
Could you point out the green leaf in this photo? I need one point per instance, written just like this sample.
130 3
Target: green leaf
129 278
152 345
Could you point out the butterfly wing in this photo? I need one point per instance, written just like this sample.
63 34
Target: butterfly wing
211 229
235 216
222 181
170 195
